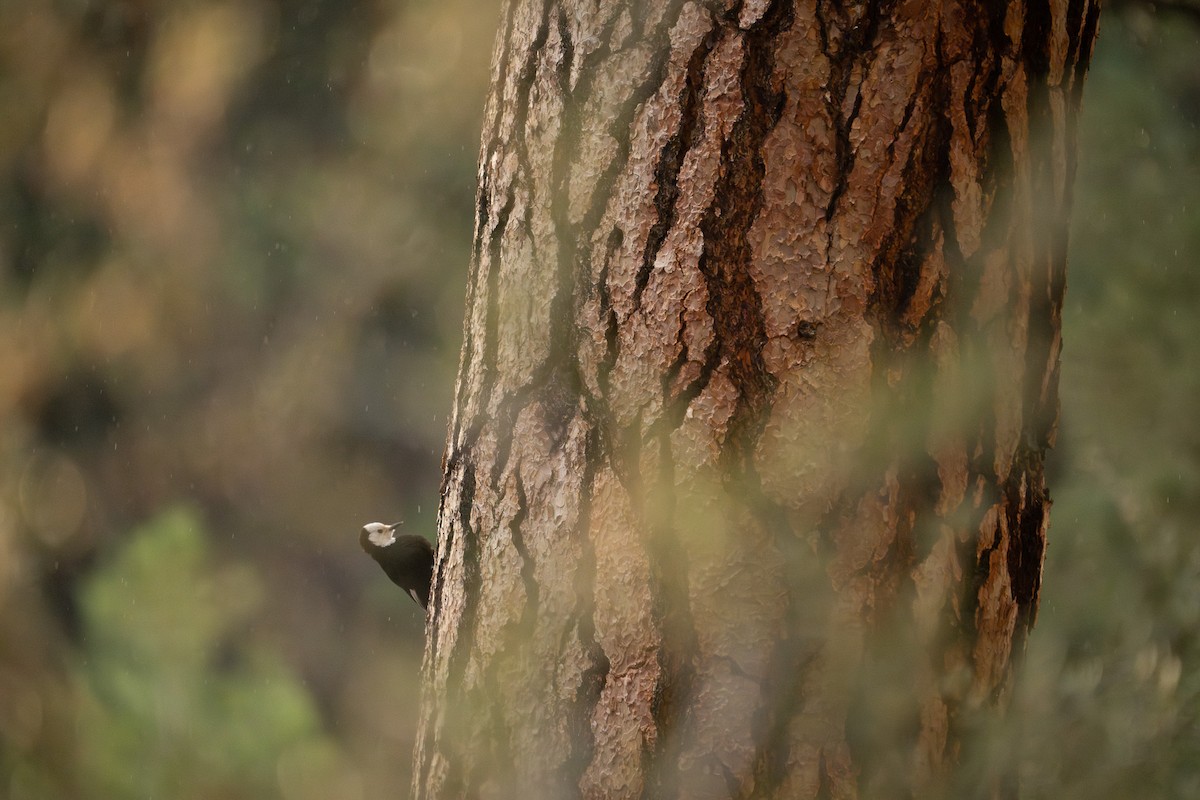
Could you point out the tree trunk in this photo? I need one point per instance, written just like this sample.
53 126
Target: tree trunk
744 492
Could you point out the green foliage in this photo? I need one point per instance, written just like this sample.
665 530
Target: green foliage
173 701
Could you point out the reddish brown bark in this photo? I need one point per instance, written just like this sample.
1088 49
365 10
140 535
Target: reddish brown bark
744 493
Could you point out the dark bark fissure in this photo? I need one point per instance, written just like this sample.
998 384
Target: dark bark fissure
574 263
1074 28
493 136
899 275
575 100
958 290
1090 26
594 677
902 254
734 304
1046 286
621 131
611 327
491 340
620 128
436 597
924 488
671 158
528 573
845 44
1039 417
563 331
1035 39
675 402
1026 508
989 42
998 184
976 566
482 198
457 665
786 674
982 566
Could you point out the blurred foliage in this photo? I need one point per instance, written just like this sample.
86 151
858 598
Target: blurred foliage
233 247
172 701
1108 703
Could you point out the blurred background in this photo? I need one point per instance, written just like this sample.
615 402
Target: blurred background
233 249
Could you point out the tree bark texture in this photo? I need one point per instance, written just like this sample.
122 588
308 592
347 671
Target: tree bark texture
744 493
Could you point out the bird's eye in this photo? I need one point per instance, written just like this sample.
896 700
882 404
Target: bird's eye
381 537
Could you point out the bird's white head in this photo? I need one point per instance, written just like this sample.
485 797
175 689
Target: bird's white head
380 534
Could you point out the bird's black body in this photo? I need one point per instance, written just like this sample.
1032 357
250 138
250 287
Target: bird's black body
406 558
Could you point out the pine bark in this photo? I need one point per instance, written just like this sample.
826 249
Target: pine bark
744 494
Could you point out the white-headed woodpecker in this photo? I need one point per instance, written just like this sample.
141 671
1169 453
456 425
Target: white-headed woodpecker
406 558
